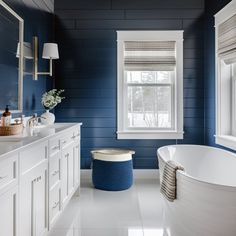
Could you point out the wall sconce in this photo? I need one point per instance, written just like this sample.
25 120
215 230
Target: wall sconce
50 52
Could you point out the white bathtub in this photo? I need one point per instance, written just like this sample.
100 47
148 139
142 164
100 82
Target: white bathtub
206 191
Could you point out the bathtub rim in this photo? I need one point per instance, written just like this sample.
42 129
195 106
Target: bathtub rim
186 177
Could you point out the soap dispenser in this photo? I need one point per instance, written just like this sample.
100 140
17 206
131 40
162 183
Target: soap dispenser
6 117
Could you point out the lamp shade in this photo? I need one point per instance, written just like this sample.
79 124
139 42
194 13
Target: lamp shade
27 50
50 51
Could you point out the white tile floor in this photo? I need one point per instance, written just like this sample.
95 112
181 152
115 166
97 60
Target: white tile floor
134 212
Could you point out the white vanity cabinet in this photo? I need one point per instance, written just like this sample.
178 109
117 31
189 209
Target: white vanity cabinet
9 211
37 180
66 174
64 171
9 195
54 180
76 155
33 190
70 165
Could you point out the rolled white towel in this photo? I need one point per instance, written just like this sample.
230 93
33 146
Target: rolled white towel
168 183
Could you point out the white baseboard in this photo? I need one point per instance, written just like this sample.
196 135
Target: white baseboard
146 174
138 174
85 174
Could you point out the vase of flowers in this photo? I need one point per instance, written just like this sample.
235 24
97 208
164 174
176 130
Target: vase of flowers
49 100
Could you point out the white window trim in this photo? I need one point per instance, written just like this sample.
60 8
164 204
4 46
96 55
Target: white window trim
177 36
223 88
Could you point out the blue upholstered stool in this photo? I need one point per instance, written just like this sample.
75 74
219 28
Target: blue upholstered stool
112 169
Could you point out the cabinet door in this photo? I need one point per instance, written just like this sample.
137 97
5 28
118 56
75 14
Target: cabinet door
67 176
77 164
33 202
39 204
54 204
8 216
64 176
70 170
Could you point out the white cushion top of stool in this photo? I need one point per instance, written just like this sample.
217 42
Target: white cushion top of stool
112 155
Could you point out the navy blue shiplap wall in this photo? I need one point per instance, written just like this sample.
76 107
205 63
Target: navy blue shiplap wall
38 21
86 33
212 7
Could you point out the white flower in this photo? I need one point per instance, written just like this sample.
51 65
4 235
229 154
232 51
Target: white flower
51 98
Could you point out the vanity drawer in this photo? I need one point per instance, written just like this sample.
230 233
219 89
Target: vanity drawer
54 169
8 171
33 156
67 139
54 146
54 204
76 133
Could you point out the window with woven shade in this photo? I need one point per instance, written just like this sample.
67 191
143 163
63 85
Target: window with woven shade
150 68
225 38
149 55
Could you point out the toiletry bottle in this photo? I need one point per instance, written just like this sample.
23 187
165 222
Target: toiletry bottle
6 116
22 119
3 120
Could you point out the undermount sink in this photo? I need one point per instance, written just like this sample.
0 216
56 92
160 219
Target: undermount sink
40 126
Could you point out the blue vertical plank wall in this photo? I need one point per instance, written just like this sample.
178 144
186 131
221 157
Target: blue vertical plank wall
38 21
212 7
86 33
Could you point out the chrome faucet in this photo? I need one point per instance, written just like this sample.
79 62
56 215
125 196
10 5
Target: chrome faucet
32 121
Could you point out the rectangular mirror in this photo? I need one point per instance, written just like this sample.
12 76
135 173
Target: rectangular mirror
11 59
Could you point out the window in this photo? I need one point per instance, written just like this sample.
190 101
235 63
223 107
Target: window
150 96
226 76
150 85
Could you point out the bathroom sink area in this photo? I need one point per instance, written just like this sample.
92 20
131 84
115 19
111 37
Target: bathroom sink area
35 133
40 126
28 137
12 138
25 135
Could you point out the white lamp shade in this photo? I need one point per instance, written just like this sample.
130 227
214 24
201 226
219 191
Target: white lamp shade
27 50
50 51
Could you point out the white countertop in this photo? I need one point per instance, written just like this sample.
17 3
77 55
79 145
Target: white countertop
9 144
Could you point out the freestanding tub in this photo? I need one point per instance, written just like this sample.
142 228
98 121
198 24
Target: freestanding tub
206 191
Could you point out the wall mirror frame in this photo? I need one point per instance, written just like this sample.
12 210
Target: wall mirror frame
20 65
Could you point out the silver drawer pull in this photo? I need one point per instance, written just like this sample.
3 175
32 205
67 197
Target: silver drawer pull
56 147
3 177
55 205
55 172
73 137
39 178
64 142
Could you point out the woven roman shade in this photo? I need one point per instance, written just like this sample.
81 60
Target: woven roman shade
149 55
227 40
